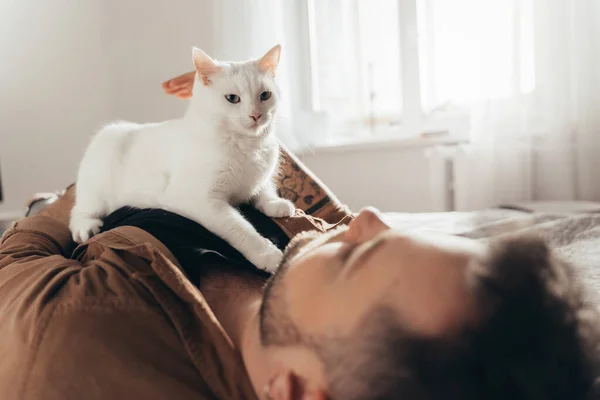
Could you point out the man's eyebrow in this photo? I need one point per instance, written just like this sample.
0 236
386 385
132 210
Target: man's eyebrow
361 251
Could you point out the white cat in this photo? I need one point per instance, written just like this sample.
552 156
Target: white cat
222 152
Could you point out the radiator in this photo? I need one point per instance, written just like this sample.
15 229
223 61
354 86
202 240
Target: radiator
467 179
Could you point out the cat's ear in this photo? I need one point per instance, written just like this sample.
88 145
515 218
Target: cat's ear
268 62
205 66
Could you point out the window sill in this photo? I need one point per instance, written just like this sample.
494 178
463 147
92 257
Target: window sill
384 144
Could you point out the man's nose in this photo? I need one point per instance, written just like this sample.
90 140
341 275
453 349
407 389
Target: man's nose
365 226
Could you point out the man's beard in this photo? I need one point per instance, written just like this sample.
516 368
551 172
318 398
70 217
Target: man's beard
275 326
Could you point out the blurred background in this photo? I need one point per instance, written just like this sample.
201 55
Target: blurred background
407 105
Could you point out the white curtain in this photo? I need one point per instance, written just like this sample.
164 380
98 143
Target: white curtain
544 145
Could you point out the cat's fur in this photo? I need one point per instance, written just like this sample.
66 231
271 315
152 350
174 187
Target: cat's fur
196 166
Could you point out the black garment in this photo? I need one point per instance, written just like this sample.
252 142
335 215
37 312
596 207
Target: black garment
194 246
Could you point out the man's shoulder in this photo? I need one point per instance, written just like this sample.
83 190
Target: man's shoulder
119 316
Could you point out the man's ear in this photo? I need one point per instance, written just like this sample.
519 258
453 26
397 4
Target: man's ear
287 385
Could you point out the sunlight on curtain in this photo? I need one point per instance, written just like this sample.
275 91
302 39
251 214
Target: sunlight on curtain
357 61
472 50
543 144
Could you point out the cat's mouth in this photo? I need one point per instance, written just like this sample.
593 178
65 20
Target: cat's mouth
256 126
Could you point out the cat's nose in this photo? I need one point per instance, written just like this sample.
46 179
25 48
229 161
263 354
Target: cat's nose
255 117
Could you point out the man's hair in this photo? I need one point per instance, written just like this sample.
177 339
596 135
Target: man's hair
535 338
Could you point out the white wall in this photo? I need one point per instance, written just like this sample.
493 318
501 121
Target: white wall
151 41
394 179
53 91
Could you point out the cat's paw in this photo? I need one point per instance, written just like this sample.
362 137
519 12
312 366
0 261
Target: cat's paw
268 259
277 208
83 228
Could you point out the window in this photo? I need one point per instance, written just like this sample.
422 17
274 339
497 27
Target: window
403 67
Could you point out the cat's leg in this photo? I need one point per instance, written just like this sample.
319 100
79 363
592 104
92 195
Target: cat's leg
87 213
226 222
267 202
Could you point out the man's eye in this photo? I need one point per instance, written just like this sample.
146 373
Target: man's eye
346 251
232 98
266 95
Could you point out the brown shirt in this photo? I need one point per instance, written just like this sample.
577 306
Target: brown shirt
114 319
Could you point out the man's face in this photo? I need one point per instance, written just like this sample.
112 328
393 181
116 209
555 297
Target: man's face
328 283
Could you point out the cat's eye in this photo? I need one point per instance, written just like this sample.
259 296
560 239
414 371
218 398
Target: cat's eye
232 98
266 95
